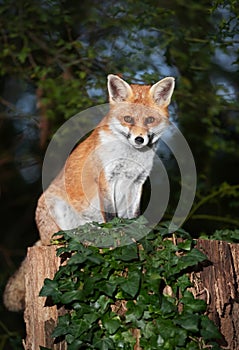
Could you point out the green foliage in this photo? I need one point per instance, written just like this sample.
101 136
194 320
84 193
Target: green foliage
225 235
9 338
112 293
223 192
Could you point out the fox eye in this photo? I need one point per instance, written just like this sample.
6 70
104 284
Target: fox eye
149 120
129 119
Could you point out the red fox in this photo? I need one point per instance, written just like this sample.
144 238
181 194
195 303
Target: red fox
104 175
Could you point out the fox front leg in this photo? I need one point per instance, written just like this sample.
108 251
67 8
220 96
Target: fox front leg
106 200
127 196
122 201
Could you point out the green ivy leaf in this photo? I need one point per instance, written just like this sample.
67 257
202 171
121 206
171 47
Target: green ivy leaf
193 346
79 327
62 327
183 282
104 344
185 245
126 253
91 317
107 287
172 334
72 295
74 344
188 322
50 289
96 260
134 311
77 259
111 324
131 284
192 258
209 331
102 303
149 330
168 306
191 304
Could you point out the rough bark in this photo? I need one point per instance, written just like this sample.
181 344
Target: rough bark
218 283
40 318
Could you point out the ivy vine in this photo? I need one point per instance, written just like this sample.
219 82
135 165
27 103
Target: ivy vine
133 296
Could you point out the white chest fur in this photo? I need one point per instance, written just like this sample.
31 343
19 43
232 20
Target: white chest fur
120 159
126 169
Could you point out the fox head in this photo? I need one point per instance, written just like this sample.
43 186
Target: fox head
139 113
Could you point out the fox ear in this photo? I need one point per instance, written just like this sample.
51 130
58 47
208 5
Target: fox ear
162 91
119 90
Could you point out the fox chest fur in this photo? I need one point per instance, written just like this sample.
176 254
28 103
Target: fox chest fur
125 171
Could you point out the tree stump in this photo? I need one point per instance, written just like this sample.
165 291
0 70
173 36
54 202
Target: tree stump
40 318
216 282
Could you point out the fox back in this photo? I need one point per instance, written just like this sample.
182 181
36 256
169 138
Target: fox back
104 175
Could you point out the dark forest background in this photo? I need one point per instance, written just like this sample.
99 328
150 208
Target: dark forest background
54 59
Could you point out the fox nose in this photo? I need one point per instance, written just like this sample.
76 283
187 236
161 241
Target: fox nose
139 140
